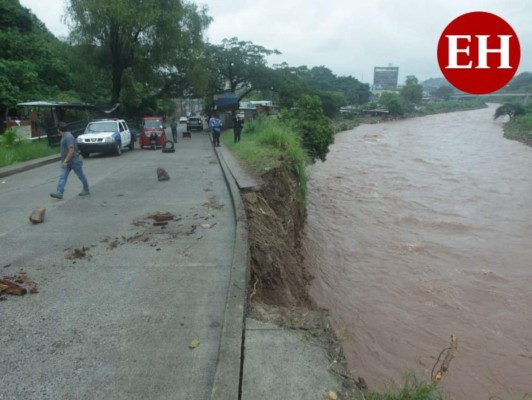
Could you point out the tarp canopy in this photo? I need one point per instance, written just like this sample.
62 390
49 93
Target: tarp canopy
107 109
226 101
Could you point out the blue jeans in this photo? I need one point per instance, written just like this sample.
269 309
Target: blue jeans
77 166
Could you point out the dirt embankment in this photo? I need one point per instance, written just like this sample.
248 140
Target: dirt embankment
278 289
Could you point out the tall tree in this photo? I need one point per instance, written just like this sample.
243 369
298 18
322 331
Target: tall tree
31 62
156 39
412 91
239 66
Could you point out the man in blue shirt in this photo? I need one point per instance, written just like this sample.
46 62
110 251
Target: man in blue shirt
216 126
70 160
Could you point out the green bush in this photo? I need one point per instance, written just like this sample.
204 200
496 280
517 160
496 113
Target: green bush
267 143
316 131
412 389
519 128
9 138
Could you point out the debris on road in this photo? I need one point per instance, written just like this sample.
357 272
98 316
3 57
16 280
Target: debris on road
194 344
160 217
17 285
162 175
37 216
78 253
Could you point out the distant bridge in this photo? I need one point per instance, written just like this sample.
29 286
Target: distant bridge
463 96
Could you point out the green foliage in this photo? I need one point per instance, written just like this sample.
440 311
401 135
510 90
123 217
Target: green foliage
521 82
392 102
453 105
511 109
9 138
520 128
159 40
267 143
32 62
412 389
24 151
241 64
292 83
315 129
443 92
412 91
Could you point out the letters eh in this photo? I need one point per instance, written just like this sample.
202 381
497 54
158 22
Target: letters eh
483 51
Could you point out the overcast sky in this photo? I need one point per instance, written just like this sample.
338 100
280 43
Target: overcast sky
350 37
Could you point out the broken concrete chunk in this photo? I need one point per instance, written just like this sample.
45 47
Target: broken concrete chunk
37 216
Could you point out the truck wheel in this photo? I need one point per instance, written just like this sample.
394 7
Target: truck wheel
118 148
85 154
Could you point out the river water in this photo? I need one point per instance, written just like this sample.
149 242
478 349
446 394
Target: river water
419 229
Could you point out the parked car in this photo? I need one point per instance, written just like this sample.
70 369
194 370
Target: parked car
105 136
183 120
152 128
194 123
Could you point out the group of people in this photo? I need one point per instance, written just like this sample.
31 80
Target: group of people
216 126
72 161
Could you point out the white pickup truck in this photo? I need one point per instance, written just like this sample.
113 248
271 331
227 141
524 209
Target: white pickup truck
105 136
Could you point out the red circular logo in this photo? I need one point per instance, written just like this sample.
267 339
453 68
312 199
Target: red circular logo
478 52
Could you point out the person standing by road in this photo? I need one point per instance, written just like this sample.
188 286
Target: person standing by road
238 123
173 125
216 126
70 160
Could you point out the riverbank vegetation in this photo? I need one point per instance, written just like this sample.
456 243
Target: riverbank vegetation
362 115
14 150
412 389
519 125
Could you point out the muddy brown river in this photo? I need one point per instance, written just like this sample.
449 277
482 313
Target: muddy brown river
420 229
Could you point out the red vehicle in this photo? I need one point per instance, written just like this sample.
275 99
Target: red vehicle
153 134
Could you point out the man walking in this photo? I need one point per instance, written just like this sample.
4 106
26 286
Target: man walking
173 125
216 127
70 160
238 123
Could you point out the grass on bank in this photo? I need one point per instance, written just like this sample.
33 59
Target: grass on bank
24 151
267 143
412 389
520 128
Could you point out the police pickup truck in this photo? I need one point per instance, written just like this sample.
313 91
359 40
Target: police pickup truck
106 136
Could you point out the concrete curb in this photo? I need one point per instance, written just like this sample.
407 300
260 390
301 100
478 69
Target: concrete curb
27 165
227 379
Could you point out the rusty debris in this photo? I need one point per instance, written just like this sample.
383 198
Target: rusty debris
17 285
159 217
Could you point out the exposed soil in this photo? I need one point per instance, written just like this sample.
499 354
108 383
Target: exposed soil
279 282
275 219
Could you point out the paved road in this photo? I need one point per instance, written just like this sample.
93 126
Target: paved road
120 299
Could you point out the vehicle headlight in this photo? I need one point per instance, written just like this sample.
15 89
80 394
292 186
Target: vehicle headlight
79 139
108 139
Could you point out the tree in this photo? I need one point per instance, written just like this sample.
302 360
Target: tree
157 39
444 92
287 82
239 66
32 65
315 129
511 109
393 102
412 91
